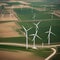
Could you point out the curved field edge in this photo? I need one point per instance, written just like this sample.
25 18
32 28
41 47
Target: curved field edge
57 55
43 52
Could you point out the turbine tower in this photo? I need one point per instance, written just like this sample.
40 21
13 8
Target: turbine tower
21 7
45 7
52 15
26 32
34 16
35 35
11 11
52 12
49 35
32 9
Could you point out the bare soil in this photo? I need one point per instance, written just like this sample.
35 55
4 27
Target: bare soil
20 55
9 29
8 17
57 13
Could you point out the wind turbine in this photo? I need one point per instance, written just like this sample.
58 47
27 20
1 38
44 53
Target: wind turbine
45 7
35 35
49 35
52 15
42 44
26 32
34 16
21 7
11 11
52 11
2 15
32 9
37 25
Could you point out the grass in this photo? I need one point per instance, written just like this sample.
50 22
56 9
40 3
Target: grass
57 56
13 3
39 52
13 40
27 14
38 3
43 27
44 52
42 5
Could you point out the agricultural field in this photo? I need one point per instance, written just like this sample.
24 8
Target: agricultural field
43 27
57 56
27 15
26 18
39 54
13 3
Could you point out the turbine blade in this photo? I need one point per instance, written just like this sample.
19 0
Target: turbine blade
34 16
53 34
24 28
38 23
47 32
33 39
31 35
39 37
37 26
50 28
34 24
29 29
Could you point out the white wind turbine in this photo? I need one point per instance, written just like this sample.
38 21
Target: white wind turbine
11 11
26 32
52 15
35 35
34 16
2 15
45 7
49 35
21 7
52 12
32 9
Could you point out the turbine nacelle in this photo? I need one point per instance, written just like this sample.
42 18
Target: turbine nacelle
26 29
34 16
37 24
35 36
49 32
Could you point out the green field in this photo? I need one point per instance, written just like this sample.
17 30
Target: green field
45 5
27 14
57 56
43 27
44 52
26 17
13 3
